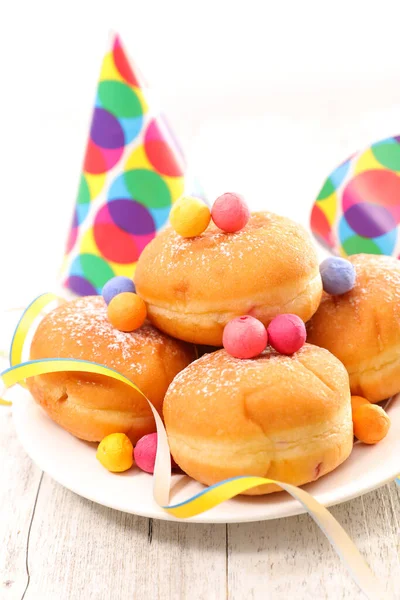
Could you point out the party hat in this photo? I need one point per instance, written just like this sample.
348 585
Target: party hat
358 207
132 173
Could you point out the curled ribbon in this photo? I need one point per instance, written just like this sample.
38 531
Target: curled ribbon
209 497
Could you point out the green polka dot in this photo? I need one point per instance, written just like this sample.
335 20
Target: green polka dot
327 189
388 155
95 269
148 188
357 244
119 99
83 192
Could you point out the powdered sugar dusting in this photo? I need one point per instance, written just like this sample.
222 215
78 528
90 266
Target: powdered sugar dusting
220 370
262 230
85 323
376 276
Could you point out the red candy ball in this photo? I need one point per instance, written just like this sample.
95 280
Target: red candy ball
287 333
245 337
230 212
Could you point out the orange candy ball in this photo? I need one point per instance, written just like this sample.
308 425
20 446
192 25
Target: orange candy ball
127 311
371 423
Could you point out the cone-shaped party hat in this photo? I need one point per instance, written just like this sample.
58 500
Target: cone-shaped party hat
132 173
358 207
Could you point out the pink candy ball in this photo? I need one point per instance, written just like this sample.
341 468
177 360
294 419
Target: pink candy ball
287 333
230 212
245 337
145 452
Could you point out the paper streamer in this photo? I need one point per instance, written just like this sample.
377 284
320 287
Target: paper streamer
29 315
209 497
133 171
358 207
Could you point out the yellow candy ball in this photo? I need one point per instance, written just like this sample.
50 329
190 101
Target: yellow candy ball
189 216
115 452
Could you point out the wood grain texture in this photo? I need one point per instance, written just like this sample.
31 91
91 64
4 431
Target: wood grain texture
292 558
79 550
20 480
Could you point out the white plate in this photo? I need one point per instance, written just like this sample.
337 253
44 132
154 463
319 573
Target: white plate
72 463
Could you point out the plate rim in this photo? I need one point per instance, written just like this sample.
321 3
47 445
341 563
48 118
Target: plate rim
155 512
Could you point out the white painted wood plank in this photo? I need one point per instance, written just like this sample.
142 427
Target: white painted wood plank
81 550
291 558
19 481
373 523
191 560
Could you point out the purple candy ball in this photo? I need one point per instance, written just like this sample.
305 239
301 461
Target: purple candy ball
115 286
338 275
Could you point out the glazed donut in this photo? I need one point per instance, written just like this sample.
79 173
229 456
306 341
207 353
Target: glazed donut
93 406
283 417
193 287
362 327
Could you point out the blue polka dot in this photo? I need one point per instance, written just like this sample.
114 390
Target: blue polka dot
387 242
131 127
338 175
76 268
160 216
118 189
345 231
82 211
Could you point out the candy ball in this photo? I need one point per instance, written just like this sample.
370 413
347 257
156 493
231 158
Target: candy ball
230 212
244 337
115 286
127 311
287 333
145 452
338 275
115 452
370 422
189 216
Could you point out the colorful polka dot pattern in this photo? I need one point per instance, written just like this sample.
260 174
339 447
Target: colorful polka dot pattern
132 173
358 207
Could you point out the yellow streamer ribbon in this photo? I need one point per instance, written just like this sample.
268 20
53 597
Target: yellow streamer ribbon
33 368
209 497
25 323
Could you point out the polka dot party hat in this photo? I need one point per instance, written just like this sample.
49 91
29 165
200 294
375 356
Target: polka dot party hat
358 207
133 171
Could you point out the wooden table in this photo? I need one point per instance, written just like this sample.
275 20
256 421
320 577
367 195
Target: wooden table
56 545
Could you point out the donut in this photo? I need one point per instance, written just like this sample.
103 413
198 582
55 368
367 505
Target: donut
283 417
193 287
93 406
362 327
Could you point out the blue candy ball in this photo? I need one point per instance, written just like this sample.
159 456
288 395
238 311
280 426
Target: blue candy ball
338 275
115 286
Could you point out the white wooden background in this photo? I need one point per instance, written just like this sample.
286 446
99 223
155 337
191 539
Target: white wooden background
56 545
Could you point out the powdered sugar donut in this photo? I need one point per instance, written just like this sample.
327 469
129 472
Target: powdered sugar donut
91 406
193 287
362 327
283 417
